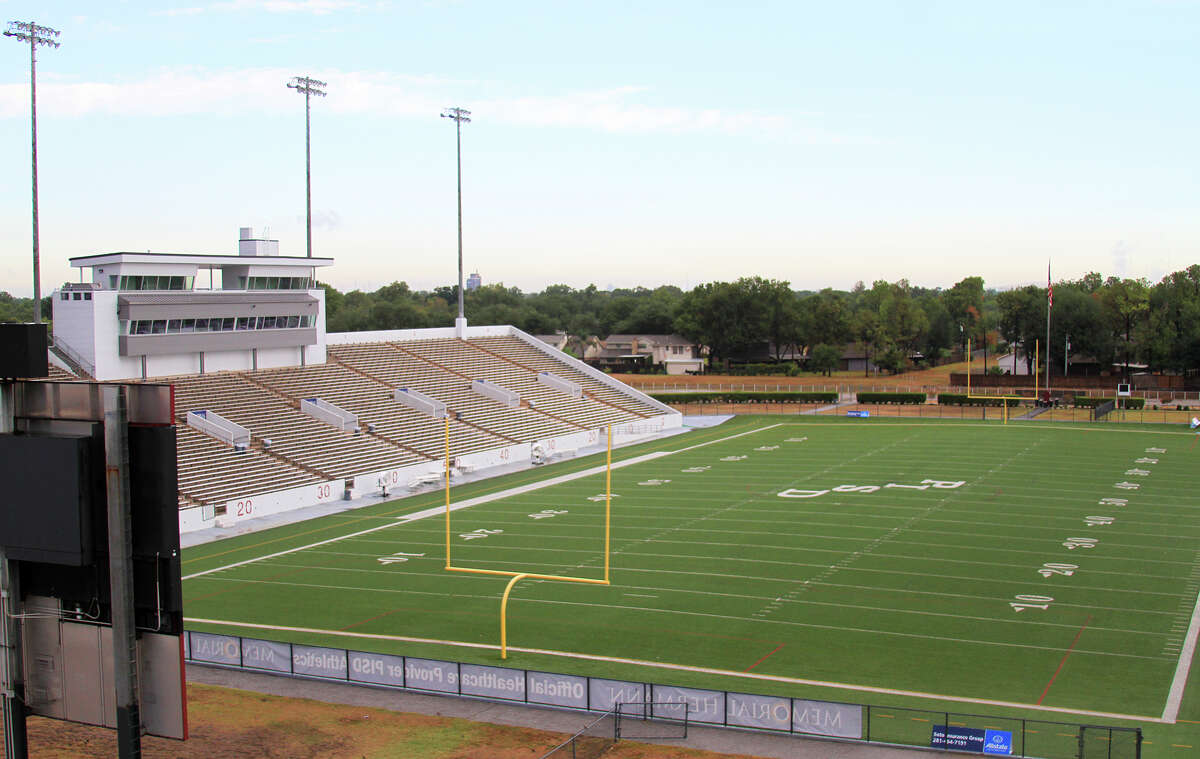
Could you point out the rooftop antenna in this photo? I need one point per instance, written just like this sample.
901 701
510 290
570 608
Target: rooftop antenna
308 86
28 31
460 116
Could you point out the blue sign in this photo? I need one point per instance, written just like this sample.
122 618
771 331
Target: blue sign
997 742
859 413
958 738
972 739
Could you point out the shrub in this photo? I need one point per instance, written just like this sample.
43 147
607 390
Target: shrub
960 399
903 398
760 370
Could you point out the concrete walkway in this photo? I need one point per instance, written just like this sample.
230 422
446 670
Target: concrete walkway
766 745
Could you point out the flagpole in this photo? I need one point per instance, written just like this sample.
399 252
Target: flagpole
1049 305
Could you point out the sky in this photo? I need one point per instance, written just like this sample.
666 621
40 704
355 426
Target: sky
614 143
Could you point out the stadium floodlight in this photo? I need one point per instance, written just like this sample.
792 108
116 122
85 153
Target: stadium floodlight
309 87
28 31
460 116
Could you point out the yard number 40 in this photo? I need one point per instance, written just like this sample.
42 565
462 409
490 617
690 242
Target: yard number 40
1024 602
1051 568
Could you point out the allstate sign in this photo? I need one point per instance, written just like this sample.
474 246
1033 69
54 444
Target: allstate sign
997 742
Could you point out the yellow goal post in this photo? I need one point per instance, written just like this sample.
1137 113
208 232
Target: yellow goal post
1004 398
516 575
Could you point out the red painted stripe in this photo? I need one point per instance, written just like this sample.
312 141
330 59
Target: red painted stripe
183 687
764 658
1062 663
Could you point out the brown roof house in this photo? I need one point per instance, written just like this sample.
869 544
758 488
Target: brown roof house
644 353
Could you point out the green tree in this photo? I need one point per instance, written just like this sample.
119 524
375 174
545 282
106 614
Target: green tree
1126 303
724 316
824 359
824 318
1022 315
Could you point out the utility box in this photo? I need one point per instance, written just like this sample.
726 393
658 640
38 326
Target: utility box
24 354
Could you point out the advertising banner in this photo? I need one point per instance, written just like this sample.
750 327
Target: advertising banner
825 718
770 712
219 649
703 705
495 682
997 742
605 693
379 669
266 654
428 674
319 662
974 739
558 690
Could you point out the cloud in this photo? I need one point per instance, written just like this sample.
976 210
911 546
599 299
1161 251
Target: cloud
229 92
315 7
1120 254
324 219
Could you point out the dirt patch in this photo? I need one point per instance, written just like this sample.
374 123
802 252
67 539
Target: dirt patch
235 724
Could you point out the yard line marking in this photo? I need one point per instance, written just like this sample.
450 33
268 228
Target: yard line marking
777 600
710 615
1063 661
687 668
1179 681
639 595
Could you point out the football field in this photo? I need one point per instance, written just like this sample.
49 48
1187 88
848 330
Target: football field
1050 567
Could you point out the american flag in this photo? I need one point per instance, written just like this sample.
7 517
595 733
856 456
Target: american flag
1049 289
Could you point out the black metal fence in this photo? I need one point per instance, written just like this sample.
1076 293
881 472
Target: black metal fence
591 742
641 707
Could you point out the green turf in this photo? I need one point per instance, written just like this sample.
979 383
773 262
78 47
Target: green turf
899 588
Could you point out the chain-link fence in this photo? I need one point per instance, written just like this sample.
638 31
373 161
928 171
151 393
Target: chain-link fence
1000 735
592 741
937 411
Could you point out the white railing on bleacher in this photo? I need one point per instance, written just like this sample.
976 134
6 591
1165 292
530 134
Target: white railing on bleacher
330 414
418 401
496 393
562 385
213 424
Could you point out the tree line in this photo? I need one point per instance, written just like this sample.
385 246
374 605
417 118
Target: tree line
1114 320
1117 321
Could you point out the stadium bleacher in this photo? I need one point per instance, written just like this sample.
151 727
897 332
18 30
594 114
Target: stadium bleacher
361 378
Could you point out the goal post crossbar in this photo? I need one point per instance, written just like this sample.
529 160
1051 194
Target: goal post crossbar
1000 397
517 576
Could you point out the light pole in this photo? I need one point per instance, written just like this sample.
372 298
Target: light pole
28 31
308 86
461 116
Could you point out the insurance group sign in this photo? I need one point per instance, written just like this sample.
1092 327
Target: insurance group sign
977 740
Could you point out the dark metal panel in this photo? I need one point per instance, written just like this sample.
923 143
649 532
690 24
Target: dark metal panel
80 401
51 492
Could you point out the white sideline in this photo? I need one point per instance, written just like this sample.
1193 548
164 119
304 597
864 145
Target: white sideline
1179 682
436 510
688 668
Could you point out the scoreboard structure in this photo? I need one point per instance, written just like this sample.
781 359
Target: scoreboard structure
92 602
